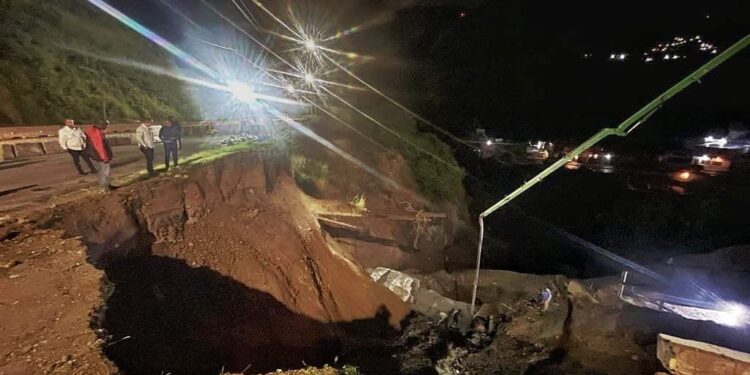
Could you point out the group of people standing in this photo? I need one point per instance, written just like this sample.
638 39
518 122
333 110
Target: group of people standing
169 134
92 143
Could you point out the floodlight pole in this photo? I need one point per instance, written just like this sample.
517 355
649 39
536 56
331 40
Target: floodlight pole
622 130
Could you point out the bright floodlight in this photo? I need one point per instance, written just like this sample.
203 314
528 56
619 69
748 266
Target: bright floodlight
241 91
310 45
489 143
733 314
309 78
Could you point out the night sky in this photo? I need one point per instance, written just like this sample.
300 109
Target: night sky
518 67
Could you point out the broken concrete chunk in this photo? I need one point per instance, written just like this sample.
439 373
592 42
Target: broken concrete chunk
425 301
399 283
687 357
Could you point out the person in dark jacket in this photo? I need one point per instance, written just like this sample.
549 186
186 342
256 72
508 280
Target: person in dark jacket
100 150
171 135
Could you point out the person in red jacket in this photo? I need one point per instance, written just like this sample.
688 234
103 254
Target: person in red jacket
100 150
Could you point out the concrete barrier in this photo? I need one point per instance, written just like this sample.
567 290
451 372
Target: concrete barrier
8 152
52 147
24 150
26 141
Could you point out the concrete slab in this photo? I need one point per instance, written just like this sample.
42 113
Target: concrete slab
7 152
52 147
29 149
687 357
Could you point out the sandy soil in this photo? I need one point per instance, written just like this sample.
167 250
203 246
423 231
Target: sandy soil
223 267
47 291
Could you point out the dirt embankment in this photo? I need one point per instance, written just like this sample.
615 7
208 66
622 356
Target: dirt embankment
398 227
222 267
47 291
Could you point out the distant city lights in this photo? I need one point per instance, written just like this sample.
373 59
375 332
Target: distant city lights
710 141
680 48
685 175
677 49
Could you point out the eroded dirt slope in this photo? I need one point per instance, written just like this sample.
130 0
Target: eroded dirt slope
47 291
221 267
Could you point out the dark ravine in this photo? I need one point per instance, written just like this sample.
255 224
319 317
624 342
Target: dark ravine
219 268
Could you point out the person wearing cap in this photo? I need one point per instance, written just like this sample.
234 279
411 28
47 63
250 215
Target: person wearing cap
73 140
100 151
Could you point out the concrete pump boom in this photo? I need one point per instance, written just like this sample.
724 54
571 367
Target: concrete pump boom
622 130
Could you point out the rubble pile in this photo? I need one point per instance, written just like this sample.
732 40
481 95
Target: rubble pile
237 139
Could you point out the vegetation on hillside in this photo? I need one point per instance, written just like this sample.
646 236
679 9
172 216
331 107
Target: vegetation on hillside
437 173
55 62
44 77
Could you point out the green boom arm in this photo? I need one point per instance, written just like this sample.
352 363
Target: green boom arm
623 129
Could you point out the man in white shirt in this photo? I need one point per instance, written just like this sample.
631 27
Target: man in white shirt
73 140
145 140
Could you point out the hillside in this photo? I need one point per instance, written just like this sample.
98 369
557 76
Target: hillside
43 79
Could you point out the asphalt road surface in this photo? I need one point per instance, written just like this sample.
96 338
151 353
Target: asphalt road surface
32 182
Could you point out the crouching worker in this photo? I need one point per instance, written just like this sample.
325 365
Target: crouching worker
544 298
100 150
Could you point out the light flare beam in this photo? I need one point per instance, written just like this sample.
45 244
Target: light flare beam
389 130
150 35
182 15
326 143
397 104
277 19
383 18
351 127
247 34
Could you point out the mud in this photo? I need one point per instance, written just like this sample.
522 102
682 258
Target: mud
227 267
223 267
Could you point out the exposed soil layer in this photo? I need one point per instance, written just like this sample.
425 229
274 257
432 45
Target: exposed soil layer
188 320
224 267
47 291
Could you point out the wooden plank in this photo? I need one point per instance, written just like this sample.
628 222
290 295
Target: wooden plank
687 357
412 217
398 217
340 224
